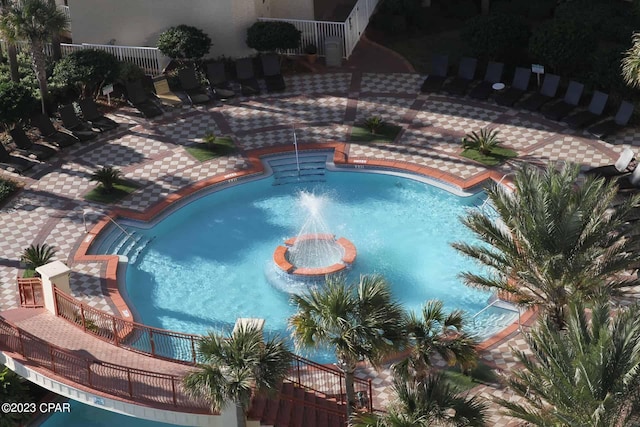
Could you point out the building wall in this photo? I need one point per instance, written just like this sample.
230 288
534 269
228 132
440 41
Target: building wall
140 22
292 9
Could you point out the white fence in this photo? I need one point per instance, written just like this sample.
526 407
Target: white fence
148 58
66 11
314 32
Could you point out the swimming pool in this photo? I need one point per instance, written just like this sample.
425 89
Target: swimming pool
209 261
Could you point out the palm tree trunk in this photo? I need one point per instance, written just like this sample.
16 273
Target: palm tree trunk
39 67
55 42
12 55
241 417
349 374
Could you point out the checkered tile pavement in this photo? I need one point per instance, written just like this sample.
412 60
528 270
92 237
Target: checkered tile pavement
391 83
50 208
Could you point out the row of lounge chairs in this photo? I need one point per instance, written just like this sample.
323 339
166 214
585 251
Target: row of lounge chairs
627 175
540 100
75 129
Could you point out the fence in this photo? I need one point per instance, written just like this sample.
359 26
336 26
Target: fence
148 58
315 32
115 380
179 347
30 291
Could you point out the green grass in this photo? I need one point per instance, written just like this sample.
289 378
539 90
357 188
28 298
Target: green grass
120 190
386 134
495 157
223 145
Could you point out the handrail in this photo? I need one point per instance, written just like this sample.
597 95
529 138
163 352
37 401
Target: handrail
182 348
30 291
90 211
117 380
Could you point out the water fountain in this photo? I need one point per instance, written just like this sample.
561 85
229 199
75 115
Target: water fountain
314 253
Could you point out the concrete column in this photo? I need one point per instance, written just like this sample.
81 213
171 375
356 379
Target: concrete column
55 274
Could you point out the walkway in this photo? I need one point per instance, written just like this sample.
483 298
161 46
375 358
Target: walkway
323 107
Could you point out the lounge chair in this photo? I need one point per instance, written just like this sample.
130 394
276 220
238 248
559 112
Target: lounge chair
91 114
218 81
272 73
138 97
73 124
164 94
593 113
248 83
466 74
547 93
630 181
620 120
51 134
190 84
571 100
518 88
438 75
28 148
13 163
620 167
491 76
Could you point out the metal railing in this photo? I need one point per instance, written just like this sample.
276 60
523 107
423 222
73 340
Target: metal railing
66 11
30 290
116 380
315 32
182 348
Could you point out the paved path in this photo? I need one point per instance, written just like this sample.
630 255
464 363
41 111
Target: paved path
322 107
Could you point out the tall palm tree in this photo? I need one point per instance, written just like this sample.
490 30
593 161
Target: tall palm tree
631 63
361 321
588 375
233 367
552 239
12 52
426 403
436 332
35 21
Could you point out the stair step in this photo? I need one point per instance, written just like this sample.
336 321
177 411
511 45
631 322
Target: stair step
284 413
297 417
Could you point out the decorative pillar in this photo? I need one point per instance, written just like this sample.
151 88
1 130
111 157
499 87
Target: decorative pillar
55 274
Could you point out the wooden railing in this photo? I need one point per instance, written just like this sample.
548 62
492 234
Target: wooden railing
182 348
30 291
134 384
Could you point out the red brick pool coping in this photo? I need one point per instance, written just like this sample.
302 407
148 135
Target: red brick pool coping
340 157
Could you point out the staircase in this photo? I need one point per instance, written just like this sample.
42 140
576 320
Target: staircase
312 169
296 407
117 242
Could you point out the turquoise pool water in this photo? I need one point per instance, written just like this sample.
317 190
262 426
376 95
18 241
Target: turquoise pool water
82 415
209 260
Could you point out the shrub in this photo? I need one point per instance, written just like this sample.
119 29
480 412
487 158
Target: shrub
87 70
374 124
38 255
16 102
107 176
484 141
7 187
129 72
563 45
496 37
272 36
184 42
13 389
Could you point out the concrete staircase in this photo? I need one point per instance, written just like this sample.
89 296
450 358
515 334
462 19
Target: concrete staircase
296 407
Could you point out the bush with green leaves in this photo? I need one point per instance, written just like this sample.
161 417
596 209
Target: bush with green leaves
273 36
16 103
497 36
129 72
13 389
38 255
7 188
107 176
564 46
484 141
374 124
184 43
87 70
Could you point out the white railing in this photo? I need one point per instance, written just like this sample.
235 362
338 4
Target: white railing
315 32
65 10
148 58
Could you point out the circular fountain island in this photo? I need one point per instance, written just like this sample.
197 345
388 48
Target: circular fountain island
314 253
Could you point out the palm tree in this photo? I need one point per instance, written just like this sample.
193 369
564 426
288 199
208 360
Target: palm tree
552 239
436 332
38 255
12 52
361 321
107 176
585 376
426 403
35 21
233 367
631 63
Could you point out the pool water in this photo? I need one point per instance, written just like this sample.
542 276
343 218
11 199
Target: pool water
209 261
82 415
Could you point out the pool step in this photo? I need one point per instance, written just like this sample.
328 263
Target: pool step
308 169
117 242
